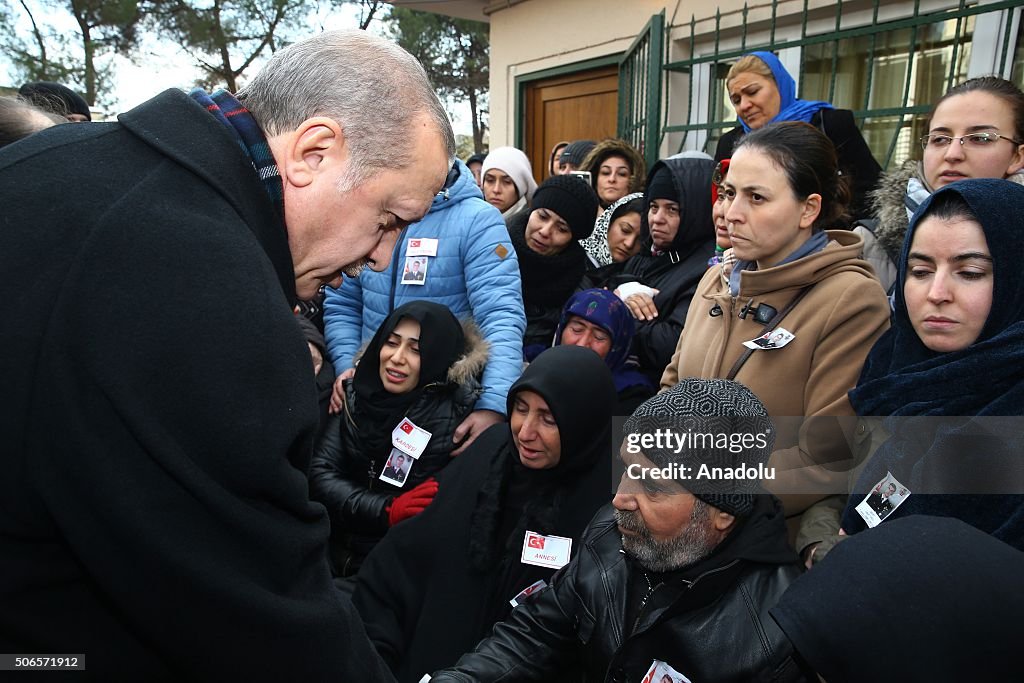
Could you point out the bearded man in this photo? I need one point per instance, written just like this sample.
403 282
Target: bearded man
678 572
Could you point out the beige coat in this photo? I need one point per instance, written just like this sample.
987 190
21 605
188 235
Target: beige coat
834 325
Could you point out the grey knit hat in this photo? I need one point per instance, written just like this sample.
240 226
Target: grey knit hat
715 435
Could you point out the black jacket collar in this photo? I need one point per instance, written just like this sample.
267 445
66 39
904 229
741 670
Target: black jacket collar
760 539
177 126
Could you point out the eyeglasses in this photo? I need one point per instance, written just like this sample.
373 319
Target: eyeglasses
973 140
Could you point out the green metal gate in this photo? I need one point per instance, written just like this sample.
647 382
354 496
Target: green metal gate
889 72
640 76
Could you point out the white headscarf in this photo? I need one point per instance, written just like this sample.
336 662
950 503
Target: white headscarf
516 165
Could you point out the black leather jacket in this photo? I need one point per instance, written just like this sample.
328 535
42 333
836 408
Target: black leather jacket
711 627
343 475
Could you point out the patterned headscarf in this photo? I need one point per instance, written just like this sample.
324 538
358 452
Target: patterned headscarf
604 309
596 245
601 307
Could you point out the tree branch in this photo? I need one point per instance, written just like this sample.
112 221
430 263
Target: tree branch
38 36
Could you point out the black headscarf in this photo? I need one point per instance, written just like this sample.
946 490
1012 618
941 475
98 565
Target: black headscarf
578 388
547 281
441 343
921 598
902 378
691 178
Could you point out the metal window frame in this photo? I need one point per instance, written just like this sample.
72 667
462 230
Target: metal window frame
1003 15
640 87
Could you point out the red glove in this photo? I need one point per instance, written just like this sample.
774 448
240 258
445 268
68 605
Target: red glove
412 502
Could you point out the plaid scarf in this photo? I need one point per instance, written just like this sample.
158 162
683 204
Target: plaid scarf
243 127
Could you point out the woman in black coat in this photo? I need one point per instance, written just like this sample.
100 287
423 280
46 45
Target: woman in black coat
436 585
658 283
551 259
763 92
423 367
952 361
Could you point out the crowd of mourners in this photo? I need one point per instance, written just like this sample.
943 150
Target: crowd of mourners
478 396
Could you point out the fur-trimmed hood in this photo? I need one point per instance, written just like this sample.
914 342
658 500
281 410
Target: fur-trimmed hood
888 204
470 364
889 207
619 148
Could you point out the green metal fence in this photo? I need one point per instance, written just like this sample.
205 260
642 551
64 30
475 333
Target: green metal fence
888 72
640 99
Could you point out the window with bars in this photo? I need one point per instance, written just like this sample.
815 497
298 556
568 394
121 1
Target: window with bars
888 72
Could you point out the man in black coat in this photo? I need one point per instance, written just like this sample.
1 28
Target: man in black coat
673 577
158 406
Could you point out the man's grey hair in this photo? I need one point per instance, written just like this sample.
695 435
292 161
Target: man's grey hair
370 86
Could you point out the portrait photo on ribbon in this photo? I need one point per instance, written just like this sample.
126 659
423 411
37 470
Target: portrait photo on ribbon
775 339
415 272
396 469
660 672
886 496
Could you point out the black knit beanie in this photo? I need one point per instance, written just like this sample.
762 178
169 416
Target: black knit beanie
714 422
572 199
575 152
661 186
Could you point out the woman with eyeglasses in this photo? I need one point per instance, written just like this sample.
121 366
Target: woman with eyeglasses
976 130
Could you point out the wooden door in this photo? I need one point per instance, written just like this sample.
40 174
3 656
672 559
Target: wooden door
577 106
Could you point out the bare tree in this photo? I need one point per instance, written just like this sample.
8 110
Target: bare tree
104 26
367 10
224 37
455 54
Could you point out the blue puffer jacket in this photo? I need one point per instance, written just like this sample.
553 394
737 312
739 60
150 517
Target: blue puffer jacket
475 273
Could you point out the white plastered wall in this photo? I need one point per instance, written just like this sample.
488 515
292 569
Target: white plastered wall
530 36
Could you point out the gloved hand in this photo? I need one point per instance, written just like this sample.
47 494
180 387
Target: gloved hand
412 502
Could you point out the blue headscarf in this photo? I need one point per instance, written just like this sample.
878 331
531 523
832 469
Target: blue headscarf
902 378
790 108
604 309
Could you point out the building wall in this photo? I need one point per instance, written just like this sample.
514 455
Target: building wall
535 35
542 34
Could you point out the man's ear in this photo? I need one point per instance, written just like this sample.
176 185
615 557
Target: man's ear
723 521
317 144
812 207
